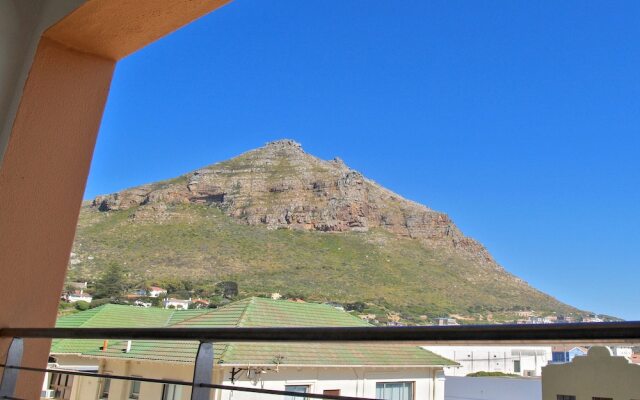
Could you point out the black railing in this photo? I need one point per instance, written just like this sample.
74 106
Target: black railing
577 333
588 333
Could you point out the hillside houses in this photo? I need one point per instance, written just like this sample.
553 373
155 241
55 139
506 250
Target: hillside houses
155 291
526 361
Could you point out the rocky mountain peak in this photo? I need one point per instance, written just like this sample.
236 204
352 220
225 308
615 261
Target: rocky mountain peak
284 144
281 186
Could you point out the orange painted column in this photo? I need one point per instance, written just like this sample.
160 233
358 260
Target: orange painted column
46 163
42 181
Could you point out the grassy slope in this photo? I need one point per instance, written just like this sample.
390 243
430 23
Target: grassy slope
201 242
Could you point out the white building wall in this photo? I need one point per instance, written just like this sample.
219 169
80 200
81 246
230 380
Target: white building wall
621 351
429 383
357 382
494 359
492 388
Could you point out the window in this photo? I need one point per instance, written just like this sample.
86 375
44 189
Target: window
171 392
297 389
134 390
516 366
394 390
565 397
103 394
61 384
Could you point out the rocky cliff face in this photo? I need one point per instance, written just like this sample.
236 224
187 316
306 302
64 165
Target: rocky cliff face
281 186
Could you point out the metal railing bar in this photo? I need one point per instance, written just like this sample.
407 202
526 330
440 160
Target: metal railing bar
203 372
600 332
186 383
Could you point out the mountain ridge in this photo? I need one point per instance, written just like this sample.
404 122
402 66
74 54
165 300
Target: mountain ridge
323 205
348 209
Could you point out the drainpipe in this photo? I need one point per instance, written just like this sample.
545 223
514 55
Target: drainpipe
433 384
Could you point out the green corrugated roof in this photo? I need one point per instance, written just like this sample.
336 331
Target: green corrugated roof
251 312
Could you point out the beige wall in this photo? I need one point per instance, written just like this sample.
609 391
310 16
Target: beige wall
86 388
598 374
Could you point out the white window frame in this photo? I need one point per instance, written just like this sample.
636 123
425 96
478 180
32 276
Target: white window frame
411 382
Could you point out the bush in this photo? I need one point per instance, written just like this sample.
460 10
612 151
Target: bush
99 302
228 289
82 305
358 306
485 373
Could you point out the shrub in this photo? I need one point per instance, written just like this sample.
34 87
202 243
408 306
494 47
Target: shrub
99 302
485 373
358 306
82 305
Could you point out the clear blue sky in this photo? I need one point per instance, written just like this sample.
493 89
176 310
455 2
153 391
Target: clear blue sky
521 120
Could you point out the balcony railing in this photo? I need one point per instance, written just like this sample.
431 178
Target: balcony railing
576 333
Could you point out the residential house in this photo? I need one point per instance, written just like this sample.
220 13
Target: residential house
78 285
621 351
155 291
141 303
392 371
521 360
200 303
78 295
566 353
446 321
566 319
593 318
598 375
178 304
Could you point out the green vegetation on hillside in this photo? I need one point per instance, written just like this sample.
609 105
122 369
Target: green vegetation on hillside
388 273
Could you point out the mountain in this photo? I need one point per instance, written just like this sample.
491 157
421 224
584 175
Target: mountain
276 219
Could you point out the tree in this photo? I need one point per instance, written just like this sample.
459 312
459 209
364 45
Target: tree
112 283
228 289
358 306
82 305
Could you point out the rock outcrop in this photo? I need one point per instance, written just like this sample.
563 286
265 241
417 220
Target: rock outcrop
281 186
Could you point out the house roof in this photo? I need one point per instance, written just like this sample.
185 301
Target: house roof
252 312
568 348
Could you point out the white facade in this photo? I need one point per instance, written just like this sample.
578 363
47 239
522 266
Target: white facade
426 383
621 351
520 360
492 388
141 303
80 296
155 291
596 375
446 321
178 304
